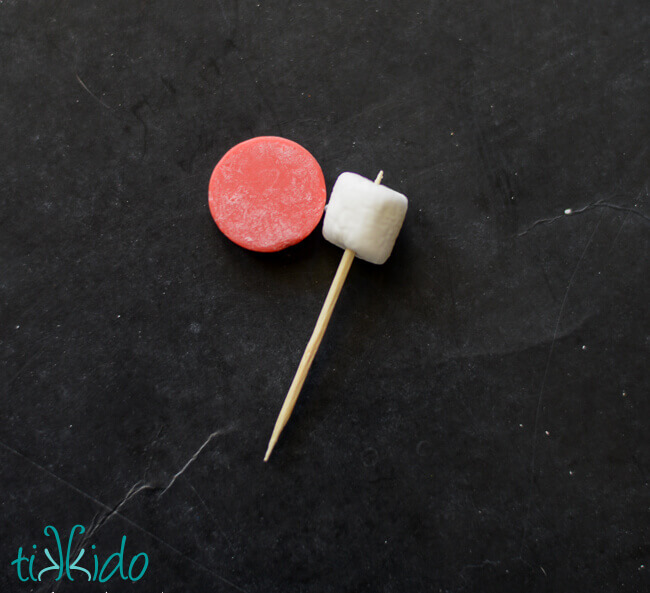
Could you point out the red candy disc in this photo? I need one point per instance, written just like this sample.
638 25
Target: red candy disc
267 193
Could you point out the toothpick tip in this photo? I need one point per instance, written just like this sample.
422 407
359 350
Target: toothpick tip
380 176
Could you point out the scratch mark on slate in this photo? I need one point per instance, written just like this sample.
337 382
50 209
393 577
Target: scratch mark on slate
618 234
93 95
599 204
193 458
113 511
545 376
207 510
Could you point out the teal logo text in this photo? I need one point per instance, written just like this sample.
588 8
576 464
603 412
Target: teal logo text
60 563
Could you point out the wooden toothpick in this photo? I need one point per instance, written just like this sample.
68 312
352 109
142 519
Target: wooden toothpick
313 344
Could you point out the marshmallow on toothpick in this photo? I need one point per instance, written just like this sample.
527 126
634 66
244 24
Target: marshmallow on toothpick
364 218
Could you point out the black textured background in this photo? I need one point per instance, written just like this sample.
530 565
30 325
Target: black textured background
477 416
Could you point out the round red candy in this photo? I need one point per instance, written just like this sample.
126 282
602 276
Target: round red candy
267 193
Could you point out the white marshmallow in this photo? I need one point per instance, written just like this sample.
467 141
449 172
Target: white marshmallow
364 216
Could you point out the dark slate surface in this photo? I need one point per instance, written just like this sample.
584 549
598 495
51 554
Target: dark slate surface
477 416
